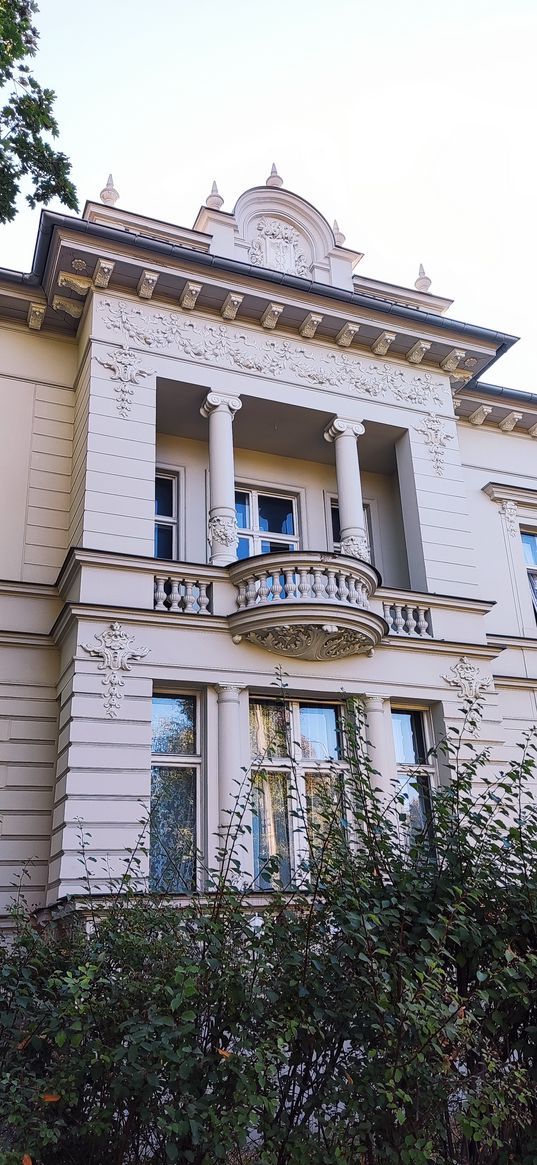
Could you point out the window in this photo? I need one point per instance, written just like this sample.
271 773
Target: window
267 523
336 528
529 543
413 769
174 794
165 516
299 739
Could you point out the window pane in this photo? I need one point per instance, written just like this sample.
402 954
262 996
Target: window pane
242 510
529 542
408 736
275 547
276 515
416 797
163 541
268 728
164 496
244 548
336 528
270 829
319 735
174 725
324 805
172 830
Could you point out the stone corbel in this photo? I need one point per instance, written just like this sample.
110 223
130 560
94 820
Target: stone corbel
451 362
417 351
309 325
147 283
72 307
271 315
382 343
346 334
79 283
231 305
189 295
104 269
36 315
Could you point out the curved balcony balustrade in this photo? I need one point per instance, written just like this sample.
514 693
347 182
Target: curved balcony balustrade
308 605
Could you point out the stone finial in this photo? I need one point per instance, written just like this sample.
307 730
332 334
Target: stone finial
274 178
214 200
423 282
338 235
109 194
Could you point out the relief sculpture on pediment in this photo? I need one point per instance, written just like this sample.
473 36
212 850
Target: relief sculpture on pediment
279 247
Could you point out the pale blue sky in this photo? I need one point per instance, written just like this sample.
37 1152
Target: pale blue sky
413 122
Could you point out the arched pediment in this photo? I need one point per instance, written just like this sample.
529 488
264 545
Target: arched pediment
272 228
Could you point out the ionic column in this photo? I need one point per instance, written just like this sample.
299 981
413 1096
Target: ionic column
230 771
381 745
344 434
222 521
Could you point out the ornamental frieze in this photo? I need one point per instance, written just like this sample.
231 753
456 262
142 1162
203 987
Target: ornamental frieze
229 347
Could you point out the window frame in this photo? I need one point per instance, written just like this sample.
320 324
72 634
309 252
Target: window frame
194 761
295 764
173 520
531 571
425 770
257 536
332 501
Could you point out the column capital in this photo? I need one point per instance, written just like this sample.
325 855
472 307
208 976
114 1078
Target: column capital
375 700
341 425
229 692
219 400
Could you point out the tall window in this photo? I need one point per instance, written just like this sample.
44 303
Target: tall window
165 516
297 739
336 527
414 771
529 543
175 773
267 523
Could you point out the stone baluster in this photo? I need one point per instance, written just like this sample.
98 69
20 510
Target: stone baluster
410 620
160 593
175 595
423 624
222 530
344 434
203 598
189 597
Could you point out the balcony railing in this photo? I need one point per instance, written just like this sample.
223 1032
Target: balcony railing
406 619
188 596
306 604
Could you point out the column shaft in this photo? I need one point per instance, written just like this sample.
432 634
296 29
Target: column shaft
344 434
381 745
231 792
222 522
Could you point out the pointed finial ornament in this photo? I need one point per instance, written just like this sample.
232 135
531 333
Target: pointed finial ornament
423 282
109 194
338 235
214 199
274 178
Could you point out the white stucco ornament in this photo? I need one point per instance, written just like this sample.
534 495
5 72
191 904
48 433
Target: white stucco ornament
509 512
116 655
126 368
227 346
470 684
436 438
356 547
223 529
278 246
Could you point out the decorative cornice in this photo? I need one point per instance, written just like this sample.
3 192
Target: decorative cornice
499 492
223 345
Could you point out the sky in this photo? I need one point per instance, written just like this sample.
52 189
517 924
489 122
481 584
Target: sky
413 122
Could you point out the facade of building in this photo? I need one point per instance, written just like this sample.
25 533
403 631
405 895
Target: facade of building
225 452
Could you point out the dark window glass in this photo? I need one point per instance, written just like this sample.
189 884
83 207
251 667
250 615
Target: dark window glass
242 510
275 547
172 842
276 515
336 528
173 720
164 497
163 541
408 736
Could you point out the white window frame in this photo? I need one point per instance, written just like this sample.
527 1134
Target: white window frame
164 520
186 761
531 570
426 769
258 536
294 764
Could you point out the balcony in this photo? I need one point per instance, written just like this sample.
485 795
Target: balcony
307 605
